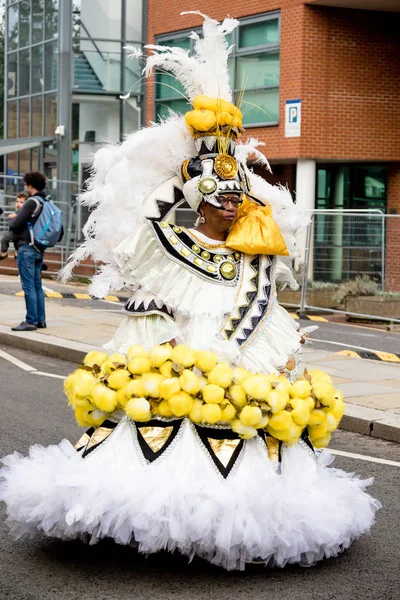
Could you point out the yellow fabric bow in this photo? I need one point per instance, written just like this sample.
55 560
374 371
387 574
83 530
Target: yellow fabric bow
256 232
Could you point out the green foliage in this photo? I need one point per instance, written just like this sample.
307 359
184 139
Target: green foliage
362 285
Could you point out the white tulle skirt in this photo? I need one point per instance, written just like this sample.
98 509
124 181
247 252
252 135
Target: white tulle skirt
299 512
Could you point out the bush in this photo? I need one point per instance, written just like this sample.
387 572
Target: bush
362 285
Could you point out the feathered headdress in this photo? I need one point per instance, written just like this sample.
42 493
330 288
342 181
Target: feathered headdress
153 171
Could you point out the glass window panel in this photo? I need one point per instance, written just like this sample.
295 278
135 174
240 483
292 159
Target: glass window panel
12 169
95 18
24 161
231 70
24 23
12 27
24 62
179 106
134 21
50 113
50 66
168 87
50 19
37 120
24 116
37 21
259 34
37 69
261 106
12 119
257 70
12 74
179 42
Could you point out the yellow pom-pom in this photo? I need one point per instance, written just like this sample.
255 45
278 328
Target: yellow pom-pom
221 375
250 416
104 398
81 417
166 369
318 431
96 417
114 361
83 383
201 120
139 365
322 442
122 397
246 432
136 352
169 387
310 402
317 417
182 355
205 361
213 394
138 409
324 392
338 409
238 396
164 409
135 388
151 384
181 404
119 379
211 413
281 420
301 412
257 386
195 413
300 389
240 374
95 358
331 421
277 399
160 354
320 376
228 412
190 383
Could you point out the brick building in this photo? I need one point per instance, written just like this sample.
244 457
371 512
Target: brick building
340 60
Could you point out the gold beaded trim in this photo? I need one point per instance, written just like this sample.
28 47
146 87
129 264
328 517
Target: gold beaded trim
225 166
185 171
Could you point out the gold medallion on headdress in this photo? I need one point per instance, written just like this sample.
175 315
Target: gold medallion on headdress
225 166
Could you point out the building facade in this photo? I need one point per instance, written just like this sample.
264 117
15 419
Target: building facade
322 82
65 70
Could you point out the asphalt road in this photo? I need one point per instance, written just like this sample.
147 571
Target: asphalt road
34 410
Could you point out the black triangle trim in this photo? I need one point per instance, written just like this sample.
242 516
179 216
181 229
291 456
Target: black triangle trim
220 434
145 448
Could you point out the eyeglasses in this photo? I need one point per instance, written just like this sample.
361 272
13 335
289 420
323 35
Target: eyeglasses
233 200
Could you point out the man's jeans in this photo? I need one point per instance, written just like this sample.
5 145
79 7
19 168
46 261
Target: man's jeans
30 262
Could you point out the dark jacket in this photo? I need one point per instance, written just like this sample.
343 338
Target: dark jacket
19 225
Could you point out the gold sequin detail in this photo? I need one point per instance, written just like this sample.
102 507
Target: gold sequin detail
99 435
177 229
156 437
205 255
197 261
273 448
228 270
185 252
163 224
196 249
173 240
81 443
223 449
237 255
217 258
225 166
184 170
211 268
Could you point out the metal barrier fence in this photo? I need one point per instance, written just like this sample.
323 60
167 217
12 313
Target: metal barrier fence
351 265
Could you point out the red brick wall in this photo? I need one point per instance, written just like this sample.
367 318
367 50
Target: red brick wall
393 230
343 64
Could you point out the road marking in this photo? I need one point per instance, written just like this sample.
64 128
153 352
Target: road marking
111 298
351 346
49 375
46 289
16 361
51 294
82 296
381 461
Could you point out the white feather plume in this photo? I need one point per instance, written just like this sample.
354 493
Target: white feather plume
122 177
206 72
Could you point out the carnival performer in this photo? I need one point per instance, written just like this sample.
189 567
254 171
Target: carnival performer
181 470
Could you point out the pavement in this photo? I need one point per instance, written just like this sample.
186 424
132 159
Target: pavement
371 388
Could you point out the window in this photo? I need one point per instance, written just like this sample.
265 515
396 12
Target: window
37 21
50 66
254 63
12 27
23 89
24 23
37 120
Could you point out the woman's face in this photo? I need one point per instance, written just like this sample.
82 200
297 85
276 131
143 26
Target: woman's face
221 219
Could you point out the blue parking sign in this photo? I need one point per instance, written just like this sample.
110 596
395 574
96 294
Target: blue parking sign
293 118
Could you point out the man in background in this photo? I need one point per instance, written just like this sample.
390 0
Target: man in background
30 259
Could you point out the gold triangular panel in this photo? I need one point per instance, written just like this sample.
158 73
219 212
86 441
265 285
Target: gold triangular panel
223 449
273 448
99 435
81 443
156 437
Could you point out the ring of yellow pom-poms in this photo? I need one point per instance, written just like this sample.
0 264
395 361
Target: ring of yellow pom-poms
208 113
181 382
